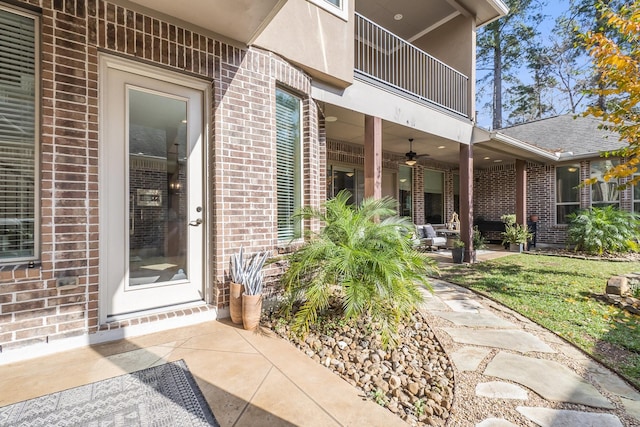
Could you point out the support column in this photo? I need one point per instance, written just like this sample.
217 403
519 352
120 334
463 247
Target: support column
373 157
466 198
521 192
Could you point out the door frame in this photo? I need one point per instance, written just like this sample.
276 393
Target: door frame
107 62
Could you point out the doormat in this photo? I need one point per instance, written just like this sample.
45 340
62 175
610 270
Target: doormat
165 395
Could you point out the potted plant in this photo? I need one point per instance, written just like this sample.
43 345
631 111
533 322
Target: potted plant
516 235
477 241
457 252
252 286
236 286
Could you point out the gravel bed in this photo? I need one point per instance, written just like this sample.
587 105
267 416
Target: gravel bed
414 380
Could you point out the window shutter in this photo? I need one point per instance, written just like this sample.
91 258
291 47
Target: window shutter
17 135
288 161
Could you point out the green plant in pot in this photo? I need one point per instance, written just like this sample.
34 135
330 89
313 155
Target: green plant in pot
457 252
516 235
478 242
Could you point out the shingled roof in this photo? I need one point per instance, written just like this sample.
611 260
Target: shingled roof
565 134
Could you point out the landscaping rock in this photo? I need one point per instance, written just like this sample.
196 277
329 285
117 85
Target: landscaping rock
417 369
617 285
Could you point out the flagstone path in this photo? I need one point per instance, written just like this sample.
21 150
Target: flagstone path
512 372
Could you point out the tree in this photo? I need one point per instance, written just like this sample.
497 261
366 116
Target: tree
364 256
500 46
617 62
529 101
580 82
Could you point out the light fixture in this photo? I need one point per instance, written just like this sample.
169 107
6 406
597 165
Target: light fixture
330 119
183 121
497 160
175 186
411 155
398 16
441 147
487 157
572 169
350 174
403 179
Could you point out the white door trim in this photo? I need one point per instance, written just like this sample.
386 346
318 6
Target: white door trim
109 62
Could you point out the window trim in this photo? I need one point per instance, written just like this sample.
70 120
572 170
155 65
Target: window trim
341 11
633 193
37 100
442 191
555 195
603 203
299 174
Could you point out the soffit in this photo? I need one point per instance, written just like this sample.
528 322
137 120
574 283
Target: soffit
239 20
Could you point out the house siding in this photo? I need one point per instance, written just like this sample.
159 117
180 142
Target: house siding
541 196
242 200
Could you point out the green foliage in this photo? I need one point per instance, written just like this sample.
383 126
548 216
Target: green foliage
379 397
607 229
508 219
477 240
364 256
457 243
516 233
559 293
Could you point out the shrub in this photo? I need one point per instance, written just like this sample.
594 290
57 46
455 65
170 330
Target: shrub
363 255
607 229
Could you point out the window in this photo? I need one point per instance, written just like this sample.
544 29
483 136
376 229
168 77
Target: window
604 193
433 197
567 192
289 180
336 7
456 193
636 197
346 178
405 177
18 130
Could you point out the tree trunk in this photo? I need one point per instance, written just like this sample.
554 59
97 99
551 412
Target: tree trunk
497 81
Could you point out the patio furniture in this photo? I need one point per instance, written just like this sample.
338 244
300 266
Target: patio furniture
429 239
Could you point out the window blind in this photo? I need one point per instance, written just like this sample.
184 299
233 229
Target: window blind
288 131
17 135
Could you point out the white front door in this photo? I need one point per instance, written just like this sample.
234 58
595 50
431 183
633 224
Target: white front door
152 213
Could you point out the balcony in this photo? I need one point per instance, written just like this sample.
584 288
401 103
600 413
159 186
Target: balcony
384 58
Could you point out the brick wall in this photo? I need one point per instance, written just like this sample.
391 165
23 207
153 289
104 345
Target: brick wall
241 157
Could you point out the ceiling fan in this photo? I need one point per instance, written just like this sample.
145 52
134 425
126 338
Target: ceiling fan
412 156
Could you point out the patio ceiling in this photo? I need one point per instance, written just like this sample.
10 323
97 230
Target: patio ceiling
418 18
349 127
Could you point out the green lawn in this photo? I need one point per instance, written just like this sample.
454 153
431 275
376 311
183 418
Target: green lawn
557 293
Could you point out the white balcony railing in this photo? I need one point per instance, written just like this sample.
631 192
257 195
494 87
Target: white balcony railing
388 59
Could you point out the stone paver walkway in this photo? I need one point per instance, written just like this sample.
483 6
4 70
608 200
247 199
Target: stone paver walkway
512 372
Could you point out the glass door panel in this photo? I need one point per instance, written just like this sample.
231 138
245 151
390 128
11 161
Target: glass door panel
157 201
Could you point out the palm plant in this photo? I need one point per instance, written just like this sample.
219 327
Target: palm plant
607 229
365 257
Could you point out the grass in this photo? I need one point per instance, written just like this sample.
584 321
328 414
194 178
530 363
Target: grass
558 293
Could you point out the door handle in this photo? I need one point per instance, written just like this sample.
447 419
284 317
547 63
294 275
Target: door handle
196 223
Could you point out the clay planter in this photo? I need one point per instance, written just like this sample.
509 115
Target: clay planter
251 310
235 302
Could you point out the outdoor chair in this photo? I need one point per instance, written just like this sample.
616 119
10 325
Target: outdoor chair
428 237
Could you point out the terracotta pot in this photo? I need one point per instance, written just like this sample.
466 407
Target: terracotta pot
235 302
251 310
